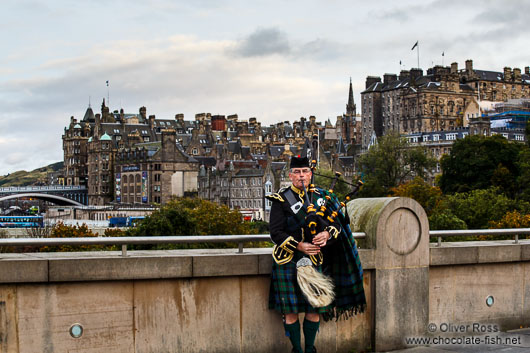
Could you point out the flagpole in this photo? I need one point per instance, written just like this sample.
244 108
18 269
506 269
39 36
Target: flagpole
418 49
108 95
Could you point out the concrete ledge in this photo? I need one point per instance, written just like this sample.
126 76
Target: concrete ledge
110 265
105 269
525 252
367 257
453 255
225 265
475 252
502 253
19 268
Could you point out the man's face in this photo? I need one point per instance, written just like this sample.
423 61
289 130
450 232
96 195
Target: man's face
300 177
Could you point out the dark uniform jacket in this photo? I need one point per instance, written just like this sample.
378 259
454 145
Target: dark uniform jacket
287 220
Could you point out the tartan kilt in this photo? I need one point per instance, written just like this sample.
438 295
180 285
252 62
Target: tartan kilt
285 295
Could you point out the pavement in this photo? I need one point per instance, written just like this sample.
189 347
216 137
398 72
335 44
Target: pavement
514 341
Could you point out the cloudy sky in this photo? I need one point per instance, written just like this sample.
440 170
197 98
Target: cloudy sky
274 60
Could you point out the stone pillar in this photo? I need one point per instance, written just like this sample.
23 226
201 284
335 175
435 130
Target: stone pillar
398 229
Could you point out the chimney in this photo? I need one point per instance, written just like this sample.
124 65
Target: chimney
454 68
151 121
404 74
370 80
179 118
516 74
388 78
507 74
415 73
143 113
469 66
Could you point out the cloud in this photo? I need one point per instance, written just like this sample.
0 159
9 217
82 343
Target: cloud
178 74
263 41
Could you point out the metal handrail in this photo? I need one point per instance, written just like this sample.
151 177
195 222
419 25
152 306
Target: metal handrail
124 241
473 232
239 239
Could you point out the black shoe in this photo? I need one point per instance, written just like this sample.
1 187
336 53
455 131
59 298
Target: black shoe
312 350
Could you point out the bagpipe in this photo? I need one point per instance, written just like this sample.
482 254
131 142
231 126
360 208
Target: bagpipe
316 286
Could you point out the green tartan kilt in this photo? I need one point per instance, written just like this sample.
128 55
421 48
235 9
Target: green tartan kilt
285 295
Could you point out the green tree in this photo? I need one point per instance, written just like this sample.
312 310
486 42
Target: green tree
391 162
324 179
478 162
523 179
444 219
478 207
192 216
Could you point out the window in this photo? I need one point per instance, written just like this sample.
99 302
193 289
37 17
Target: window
157 177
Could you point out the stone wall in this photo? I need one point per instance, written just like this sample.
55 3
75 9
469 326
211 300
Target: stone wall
216 300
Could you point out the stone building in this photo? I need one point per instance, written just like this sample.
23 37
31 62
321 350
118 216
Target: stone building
136 159
444 99
154 172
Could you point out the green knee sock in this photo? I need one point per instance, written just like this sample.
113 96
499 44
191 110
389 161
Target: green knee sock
310 333
293 332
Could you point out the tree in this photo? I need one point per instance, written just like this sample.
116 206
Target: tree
444 219
523 179
478 207
429 197
513 219
192 216
325 178
478 162
391 162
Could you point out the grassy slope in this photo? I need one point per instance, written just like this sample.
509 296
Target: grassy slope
23 178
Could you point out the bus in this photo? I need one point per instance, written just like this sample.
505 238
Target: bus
21 221
124 221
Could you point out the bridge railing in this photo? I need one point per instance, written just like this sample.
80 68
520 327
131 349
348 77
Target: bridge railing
125 241
239 239
41 188
515 232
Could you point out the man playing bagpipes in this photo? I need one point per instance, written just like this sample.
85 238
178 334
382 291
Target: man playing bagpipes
316 268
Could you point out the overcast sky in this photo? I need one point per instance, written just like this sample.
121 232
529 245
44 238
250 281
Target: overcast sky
274 60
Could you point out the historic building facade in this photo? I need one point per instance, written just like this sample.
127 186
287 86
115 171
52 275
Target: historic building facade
443 99
136 159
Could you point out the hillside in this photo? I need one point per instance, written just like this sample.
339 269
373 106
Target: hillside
35 177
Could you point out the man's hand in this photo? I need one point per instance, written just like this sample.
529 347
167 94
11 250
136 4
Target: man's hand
321 238
308 248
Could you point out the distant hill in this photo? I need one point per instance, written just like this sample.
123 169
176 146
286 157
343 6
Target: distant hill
35 177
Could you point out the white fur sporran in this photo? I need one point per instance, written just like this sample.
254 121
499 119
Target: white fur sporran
316 287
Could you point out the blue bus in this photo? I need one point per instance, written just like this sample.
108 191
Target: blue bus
124 221
21 221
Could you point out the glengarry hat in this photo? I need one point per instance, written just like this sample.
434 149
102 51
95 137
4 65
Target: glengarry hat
299 162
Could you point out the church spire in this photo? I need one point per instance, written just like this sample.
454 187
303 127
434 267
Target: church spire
350 107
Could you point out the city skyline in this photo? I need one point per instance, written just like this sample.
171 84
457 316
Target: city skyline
275 61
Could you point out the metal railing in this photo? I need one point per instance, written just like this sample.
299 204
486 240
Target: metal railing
239 239
10 189
515 232
124 241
